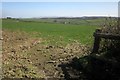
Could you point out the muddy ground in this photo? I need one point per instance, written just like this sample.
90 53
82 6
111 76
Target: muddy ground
26 57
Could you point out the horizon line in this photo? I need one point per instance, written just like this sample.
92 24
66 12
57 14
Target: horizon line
63 16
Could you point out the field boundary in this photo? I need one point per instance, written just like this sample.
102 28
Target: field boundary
97 38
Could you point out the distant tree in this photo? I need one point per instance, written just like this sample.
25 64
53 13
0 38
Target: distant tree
9 18
55 21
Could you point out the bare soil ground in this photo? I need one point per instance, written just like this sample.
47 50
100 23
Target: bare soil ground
25 57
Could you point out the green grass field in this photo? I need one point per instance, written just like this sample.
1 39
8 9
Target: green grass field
54 33
34 49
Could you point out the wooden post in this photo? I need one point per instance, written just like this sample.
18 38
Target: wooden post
97 38
96 41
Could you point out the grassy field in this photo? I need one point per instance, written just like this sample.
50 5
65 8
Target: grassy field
34 49
55 33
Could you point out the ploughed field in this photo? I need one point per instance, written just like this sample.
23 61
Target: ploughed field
34 49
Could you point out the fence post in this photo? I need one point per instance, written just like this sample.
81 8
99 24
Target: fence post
96 41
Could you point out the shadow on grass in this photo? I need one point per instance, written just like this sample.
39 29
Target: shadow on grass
91 67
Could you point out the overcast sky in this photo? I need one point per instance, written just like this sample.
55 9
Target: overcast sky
58 9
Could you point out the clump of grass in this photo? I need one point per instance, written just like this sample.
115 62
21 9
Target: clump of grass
111 26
